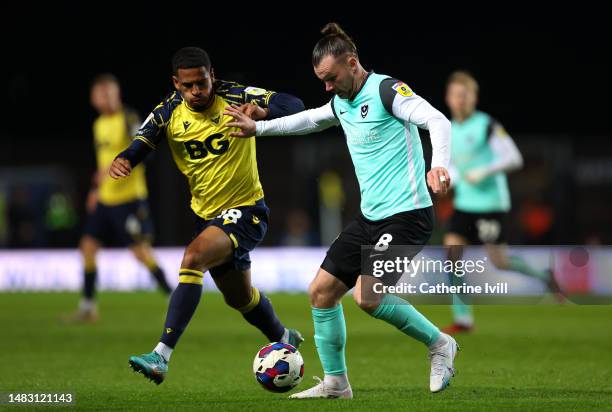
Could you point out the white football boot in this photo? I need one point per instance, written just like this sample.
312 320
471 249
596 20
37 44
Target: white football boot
442 358
323 390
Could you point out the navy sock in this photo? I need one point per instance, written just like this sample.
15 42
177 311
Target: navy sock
89 284
260 313
160 277
183 303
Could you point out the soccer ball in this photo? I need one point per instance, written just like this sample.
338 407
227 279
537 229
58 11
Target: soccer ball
278 367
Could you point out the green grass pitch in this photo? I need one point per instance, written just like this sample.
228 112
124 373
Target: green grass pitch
523 358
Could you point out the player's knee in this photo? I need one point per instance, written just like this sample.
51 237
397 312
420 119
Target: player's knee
320 297
193 259
142 253
367 302
205 253
88 248
315 294
139 254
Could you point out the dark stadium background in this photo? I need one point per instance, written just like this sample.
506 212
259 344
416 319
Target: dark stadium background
545 77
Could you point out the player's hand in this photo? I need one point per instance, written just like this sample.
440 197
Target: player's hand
241 121
438 180
253 111
92 201
475 176
120 168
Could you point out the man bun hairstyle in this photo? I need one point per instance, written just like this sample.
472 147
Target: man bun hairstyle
335 42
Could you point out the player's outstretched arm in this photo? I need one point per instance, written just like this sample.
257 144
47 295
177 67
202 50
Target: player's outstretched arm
268 104
283 104
308 121
130 157
147 137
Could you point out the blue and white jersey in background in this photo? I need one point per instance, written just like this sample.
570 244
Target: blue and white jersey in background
480 143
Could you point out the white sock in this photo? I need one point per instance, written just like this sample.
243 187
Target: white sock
464 320
87 305
337 381
441 341
164 350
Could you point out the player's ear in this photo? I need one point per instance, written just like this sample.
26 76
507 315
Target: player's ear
352 63
212 75
176 82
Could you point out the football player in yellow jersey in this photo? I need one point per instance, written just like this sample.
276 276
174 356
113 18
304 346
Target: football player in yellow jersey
117 210
227 197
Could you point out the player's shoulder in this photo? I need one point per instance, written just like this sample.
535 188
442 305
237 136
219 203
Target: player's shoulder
160 116
163 111
394 86
237 93
486 118
230 91
170 101
480 115
225 86
494 127
390 88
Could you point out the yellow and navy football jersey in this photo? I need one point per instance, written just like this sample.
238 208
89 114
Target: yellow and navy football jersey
112 133
221 170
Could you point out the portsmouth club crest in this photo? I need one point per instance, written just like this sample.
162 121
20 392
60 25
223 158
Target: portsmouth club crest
364 111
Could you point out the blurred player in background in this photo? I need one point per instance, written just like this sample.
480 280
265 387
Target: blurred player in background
117 211
227 197
482 154
379 116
